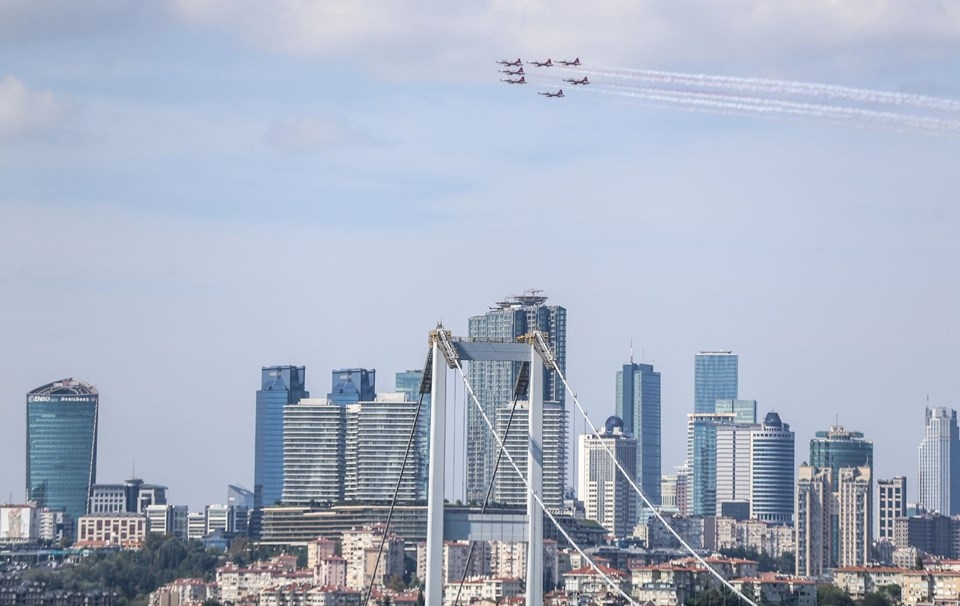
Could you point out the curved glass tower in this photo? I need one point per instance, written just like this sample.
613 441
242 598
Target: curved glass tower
771 471
62 445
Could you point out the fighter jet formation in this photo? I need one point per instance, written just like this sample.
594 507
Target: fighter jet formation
518 64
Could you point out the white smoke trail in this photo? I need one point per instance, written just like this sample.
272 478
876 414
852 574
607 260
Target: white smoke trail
770 108
782 87
819 109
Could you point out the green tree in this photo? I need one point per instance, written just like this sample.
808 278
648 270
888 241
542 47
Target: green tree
892 591
829 594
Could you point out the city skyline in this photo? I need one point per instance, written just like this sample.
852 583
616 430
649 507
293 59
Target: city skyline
167 166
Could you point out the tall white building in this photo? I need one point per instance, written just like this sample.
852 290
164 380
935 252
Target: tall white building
812 524
821 499
939 478
772 455
733 468
376 439
607 495
507 487
314 433
854 500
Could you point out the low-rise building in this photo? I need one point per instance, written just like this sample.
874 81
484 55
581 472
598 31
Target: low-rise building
775 589
494 590
125 530
183 592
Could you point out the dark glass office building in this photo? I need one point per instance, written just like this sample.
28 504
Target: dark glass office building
352 385
715 378
280 385
62 445
638 405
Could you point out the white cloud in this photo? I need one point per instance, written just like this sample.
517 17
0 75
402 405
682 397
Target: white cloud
307 134
25 112
438 35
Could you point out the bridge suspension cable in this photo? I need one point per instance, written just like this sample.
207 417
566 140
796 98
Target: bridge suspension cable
542 345
454 361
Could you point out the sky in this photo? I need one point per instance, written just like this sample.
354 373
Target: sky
193 189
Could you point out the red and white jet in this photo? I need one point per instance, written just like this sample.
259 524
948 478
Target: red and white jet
520 80
547 63
559 93
574 62
509 63
512 72
576 82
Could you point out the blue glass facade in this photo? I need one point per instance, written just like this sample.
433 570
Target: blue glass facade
352 385
280 385
638 404
715 378
62 445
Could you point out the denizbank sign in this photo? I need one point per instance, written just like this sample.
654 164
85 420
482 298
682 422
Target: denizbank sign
78 399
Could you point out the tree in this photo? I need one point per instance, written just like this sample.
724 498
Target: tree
829 594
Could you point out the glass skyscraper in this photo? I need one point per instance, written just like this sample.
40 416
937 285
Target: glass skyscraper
352 385
939 479
62 445
772 456
280 386
493 382
838 448
715 378
638 405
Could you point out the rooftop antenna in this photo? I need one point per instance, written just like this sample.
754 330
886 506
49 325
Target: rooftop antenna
631 350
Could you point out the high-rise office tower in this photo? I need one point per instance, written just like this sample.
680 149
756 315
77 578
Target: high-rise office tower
715 378
733 458
772 455
314 443
62 445
408 383
508 488
702 458
838 448
892 495
376 439
607 496
638 406
279 387
493 382
733 470
352 385
939 479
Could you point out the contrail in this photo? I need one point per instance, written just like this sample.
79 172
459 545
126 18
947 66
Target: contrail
744 106
841 111
782 87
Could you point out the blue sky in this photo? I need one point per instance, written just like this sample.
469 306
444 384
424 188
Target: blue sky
194 189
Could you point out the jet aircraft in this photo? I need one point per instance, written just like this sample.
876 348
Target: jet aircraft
520 80
547 63
575 82
559 93
509 63
574 62
512 72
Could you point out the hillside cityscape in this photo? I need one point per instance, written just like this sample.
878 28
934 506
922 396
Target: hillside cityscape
337 510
